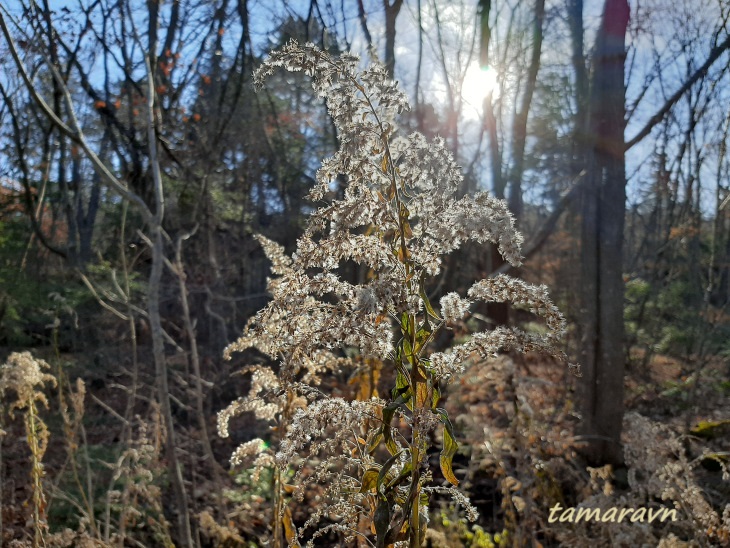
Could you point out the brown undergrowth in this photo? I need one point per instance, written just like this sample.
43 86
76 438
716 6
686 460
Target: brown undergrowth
517 415
518 458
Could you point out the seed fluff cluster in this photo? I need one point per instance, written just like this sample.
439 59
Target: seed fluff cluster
389 203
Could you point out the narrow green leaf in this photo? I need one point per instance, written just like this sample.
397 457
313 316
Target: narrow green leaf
381 519
404 474
374 443
422 335
385 469
408 350
401 384
435 396
427 302
407 231
404 213
392 189
388 413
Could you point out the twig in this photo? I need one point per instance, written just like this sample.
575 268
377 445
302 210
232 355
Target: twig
105 406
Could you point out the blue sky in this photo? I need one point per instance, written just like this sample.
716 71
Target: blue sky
658 26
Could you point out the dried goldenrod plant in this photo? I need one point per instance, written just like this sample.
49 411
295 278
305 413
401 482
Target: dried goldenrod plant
397 213
24 375
140 470
665 504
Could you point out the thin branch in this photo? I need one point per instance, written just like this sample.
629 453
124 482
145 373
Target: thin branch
74 132
715 54
110 410
101 301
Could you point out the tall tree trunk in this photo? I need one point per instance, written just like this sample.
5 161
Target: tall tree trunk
510 177
578 61
519 124
391 13
603 205
498 313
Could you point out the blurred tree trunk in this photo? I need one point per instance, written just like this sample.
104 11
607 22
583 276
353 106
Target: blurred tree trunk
519 123
510 177
498 313
391 14
391 11
603 206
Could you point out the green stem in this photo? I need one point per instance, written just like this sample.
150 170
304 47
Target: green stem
277 508
417 442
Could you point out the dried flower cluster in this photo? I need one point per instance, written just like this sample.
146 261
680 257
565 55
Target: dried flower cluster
138 470
659 468
660 476
23 374
398 214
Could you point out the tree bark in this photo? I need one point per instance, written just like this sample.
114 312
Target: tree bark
603 205
391 13
519 124
153 304
498 313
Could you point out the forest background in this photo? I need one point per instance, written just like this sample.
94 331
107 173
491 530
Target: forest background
138 163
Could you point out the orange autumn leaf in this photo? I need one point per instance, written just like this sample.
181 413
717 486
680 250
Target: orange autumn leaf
166 68
99 104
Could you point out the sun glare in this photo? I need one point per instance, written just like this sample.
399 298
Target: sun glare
478 83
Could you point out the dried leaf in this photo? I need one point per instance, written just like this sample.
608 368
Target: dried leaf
449 450
289 529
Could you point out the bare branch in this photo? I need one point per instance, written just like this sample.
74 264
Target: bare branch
715 54
74 132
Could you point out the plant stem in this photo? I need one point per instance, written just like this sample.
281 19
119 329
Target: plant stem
36 475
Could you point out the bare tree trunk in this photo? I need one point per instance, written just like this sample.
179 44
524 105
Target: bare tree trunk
163 389
577 32
519 125
603 206
498 313
153 305
195 361
391 13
